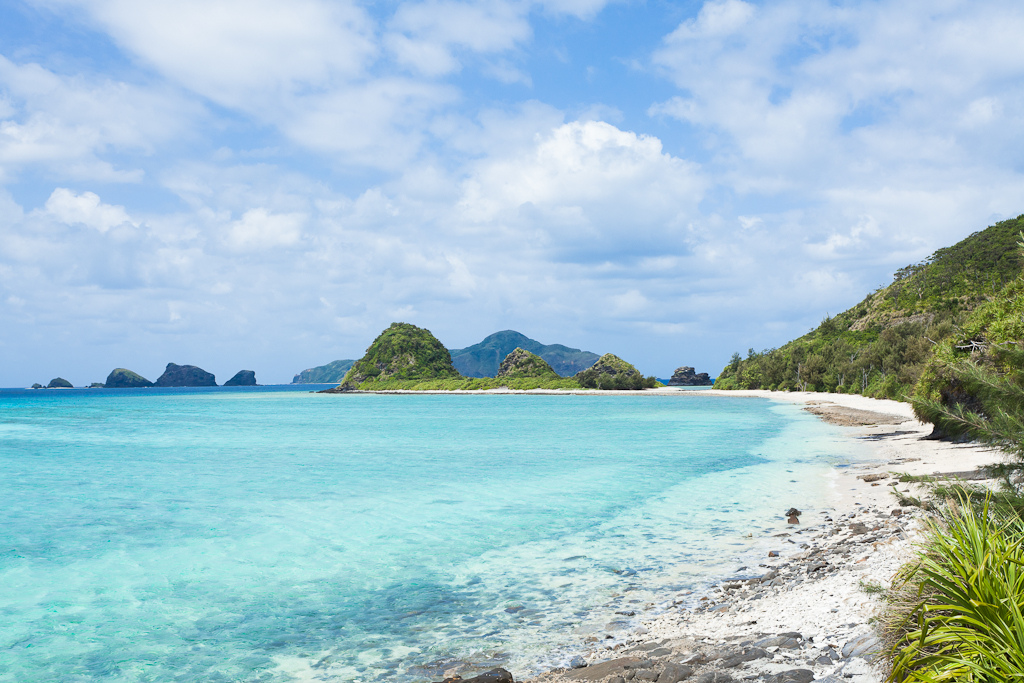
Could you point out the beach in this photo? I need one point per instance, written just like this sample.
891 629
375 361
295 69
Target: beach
808 610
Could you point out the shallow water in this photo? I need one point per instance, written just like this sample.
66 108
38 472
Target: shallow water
258 535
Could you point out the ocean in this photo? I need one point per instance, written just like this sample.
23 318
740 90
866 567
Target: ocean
272 534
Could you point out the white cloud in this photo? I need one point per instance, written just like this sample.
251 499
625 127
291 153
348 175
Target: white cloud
259 229
85 209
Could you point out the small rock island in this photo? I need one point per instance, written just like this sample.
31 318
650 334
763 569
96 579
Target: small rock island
59 383
611 372
401 352
185 376
522 363
122 378
242 378
686 376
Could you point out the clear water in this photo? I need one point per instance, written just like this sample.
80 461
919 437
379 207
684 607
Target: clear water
275 535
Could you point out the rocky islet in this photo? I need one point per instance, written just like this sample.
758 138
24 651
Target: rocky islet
686 376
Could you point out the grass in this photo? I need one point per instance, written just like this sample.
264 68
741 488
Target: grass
871 588
957 612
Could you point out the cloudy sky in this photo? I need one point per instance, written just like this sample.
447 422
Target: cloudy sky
266 185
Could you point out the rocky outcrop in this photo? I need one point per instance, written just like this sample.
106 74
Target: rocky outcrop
687 377
611 372
120 378
242 378
332 373
484 359
402 352
522 363
37 385
185 376
59 383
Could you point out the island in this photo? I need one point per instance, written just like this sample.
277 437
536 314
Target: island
122 378
242 378
185 376
686 376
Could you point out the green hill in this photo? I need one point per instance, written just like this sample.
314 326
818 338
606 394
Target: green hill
483 359
332 373
401 352
521 363
611 372
881 346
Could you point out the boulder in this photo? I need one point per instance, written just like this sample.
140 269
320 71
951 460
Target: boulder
59 383
792 676
185 376
492 676
685 376
120 378
242 378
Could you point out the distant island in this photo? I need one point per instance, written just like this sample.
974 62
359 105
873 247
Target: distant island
332 373
406 357
686 376
483 359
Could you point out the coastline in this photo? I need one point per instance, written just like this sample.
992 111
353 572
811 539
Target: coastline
807 613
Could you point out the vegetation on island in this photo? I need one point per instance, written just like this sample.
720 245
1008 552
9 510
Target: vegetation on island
401 352
520 363
882 346
483 359
185 376
612 373
122 378
408 358
332 373
59 383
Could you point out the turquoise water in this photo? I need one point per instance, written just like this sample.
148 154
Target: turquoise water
261 535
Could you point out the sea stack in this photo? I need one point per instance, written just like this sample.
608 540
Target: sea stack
122 378
59 383
242 378
686 377
185 376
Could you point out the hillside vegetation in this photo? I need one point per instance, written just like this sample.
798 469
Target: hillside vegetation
483 359
881 346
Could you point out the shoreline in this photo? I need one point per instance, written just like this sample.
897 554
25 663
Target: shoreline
806 614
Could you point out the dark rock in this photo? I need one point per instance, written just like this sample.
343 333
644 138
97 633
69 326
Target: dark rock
784 641
861 646
897 512
746 655
185 376
646 675
577 662
97 385
242 378
120 378
686 377
616 679
714 677
673 673
492 676
597 672
792 676
59 383
37 385
661 652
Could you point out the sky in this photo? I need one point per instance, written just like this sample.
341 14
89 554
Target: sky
267 185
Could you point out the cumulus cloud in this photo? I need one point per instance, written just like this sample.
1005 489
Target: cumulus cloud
86 209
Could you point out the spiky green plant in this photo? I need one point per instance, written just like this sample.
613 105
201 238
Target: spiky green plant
958 614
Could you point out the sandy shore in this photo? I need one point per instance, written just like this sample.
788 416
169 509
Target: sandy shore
807 613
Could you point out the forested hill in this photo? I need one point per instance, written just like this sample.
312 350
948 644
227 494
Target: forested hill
880 346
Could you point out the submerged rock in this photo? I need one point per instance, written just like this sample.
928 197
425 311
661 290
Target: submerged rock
121 378
185 376
685 376
242 378
59 383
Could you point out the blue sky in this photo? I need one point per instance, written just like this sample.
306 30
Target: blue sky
267 185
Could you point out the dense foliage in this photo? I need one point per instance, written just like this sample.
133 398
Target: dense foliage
332 373
483 359
957 613
521 363
470 384
881 346
122 378
402 352
612 373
